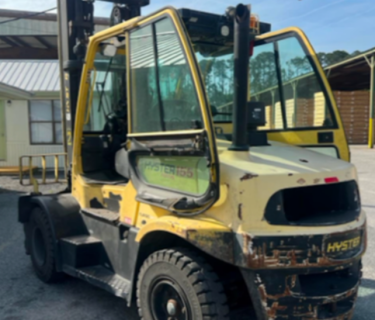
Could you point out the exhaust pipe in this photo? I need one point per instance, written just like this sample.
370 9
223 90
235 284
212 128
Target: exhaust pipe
241 77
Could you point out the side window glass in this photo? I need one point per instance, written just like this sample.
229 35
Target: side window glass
305 101
281 76
107 94
264 85
162 85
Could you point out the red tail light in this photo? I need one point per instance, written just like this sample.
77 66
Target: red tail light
331 180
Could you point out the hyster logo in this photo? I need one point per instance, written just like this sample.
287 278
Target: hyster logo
344 245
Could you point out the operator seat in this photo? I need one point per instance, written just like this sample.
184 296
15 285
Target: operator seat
122 164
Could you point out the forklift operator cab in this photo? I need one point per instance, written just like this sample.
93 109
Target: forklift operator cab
163 97
165 202
169 138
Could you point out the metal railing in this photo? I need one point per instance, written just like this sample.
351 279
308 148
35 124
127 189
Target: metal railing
32 180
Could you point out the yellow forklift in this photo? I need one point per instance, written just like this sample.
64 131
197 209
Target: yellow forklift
210 174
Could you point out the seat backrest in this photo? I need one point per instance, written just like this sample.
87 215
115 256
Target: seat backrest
122 164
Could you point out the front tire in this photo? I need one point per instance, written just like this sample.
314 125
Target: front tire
42 248
178 284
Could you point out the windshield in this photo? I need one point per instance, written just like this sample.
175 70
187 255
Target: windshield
107 96
281 75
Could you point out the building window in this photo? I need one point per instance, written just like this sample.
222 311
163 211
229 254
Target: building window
45 122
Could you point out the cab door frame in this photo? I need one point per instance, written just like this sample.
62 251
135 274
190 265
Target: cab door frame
312 137
143 143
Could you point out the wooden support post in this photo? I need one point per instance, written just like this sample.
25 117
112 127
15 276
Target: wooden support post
44 169
372 104
294 85
273 110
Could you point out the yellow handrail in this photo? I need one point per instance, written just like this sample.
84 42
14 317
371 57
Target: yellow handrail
33 180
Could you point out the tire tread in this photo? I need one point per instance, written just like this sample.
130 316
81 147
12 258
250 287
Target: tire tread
206 283
49 273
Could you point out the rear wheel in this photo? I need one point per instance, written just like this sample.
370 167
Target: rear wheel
41 246
178 284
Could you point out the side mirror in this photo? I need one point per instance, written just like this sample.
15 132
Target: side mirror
256 117
256 114
108 50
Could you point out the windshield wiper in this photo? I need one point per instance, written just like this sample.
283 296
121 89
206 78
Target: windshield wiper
102 84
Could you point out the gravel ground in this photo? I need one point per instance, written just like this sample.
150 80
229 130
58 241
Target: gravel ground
24 297
364 159
12 183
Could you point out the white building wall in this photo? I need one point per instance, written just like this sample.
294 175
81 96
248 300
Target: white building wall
18 137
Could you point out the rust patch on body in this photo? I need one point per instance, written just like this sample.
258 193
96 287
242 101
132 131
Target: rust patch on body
304 308
294 251
249 176
240 211
214 243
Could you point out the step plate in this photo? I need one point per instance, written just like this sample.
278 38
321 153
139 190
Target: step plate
103 278
82 251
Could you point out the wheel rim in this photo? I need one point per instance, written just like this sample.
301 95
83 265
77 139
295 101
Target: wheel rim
39 248
168 301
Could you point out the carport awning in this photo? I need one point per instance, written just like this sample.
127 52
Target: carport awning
28 47
10 92
351 74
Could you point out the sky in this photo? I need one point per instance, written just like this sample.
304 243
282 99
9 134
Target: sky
329 24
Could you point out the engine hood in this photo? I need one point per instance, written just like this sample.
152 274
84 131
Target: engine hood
249 179
286 165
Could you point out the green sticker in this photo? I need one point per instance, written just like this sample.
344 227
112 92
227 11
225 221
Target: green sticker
184 174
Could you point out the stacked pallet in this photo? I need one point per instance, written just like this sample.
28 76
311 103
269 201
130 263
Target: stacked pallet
302 117
300 113
354 109
278 117
268 125
289 106
319 109
305 113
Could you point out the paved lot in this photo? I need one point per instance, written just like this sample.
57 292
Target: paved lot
23 297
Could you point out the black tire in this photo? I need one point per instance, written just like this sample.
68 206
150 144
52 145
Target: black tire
183 279
42 249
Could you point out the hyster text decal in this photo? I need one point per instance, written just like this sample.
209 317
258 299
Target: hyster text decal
343 245
168 169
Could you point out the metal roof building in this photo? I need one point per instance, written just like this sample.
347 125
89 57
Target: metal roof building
33 37
29 109
31 75
30 85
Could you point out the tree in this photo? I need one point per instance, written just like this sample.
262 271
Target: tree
355 53
322 58
263 71
336 56
327 59
297 67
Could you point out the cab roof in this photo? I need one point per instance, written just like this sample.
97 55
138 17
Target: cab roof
204 27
